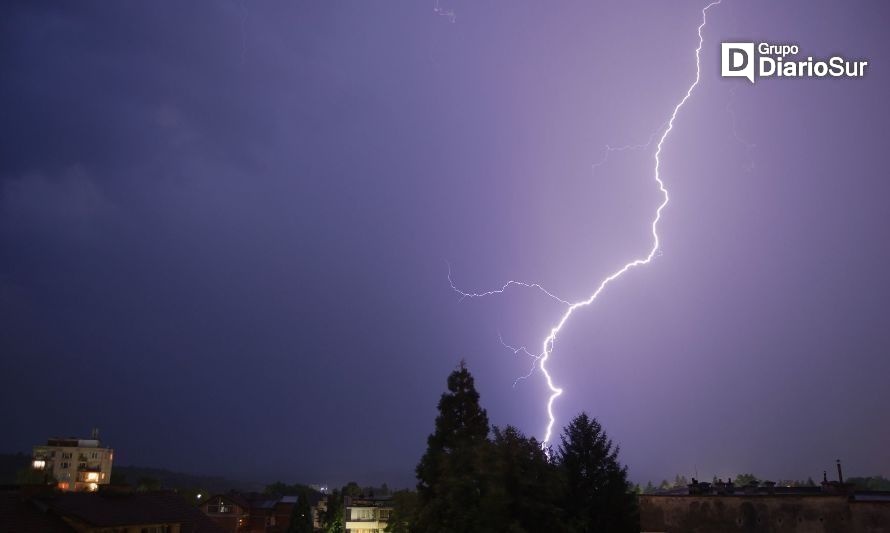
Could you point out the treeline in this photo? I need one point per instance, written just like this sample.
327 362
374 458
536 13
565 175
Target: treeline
740 480
870 483
478 478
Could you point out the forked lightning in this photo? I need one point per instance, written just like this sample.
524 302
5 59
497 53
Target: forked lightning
547 346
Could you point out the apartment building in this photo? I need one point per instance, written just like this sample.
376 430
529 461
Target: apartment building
75 464
367 515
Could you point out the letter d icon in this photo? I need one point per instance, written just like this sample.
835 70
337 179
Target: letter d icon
737 60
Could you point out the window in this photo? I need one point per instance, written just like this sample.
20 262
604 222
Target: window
384 514
39 464
363 514
64 465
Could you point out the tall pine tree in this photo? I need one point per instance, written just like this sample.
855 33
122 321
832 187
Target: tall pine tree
452 482
598 498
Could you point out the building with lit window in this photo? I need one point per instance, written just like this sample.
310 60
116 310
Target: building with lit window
367 515
252 512
231 511
74 464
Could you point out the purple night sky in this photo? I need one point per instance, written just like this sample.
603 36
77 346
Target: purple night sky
225 231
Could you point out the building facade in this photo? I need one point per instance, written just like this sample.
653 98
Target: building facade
765 508
367 515
253 512
74 464
230 511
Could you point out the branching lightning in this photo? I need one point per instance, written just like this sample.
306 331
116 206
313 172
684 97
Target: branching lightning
447 13
503 289
610 149
541 358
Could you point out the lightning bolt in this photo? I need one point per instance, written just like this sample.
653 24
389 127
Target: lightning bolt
541 359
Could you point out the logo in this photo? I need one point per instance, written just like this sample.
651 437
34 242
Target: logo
738 60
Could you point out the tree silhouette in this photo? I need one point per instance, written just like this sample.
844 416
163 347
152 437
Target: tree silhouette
526 489
598 498
451 478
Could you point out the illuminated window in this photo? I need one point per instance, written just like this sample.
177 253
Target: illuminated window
92 476
93 487
363 514
39 464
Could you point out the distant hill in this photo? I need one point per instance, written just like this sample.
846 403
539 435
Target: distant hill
169 479
12 463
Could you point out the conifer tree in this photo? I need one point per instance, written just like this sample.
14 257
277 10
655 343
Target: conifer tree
526 488
451 476
598 498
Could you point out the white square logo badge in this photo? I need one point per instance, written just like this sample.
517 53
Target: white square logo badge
737 60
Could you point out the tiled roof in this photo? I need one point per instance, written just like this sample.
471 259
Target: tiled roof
120 509
19 515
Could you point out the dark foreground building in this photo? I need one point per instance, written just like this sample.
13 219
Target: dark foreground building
252 512
26 511
832 508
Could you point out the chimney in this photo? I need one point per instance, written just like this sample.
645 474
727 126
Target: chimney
95 434
840 473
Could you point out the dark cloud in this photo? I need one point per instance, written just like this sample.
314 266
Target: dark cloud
224 230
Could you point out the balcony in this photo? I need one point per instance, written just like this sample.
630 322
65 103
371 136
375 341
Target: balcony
366 524
90 476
